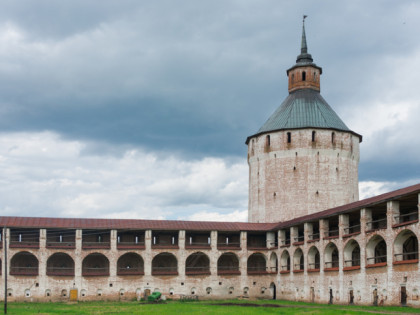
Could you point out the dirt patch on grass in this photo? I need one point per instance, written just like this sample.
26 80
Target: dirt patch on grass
249 305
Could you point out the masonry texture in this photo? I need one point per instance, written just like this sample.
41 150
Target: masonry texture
308 238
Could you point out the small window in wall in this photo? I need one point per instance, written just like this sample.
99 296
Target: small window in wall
293 77
313 136
303 76
333 138
267 141
289 137
315 76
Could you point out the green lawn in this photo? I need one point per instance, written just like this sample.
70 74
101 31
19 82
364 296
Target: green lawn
202 307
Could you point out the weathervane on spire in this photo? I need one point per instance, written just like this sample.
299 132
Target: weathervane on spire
304 17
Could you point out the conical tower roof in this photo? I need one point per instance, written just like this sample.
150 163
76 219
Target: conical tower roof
303 109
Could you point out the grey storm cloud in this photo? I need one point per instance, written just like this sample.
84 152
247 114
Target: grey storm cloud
197 78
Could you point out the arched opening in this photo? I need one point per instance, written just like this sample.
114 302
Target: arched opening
313 259
165 264
24 264
406 247
267 141
256 264
228 264
289 137
130 264
351 254
285 262
331 257
197 264
333 138
273 268
313 136
298 260
376 251
303 76
60 264
95 265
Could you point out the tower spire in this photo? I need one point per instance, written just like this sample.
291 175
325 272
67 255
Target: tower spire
303 46
304 57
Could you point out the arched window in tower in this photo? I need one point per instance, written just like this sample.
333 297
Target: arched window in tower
313 136
289 137
293 77
267 141
314 76
303 76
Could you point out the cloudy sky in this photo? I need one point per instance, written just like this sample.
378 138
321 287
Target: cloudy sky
140 109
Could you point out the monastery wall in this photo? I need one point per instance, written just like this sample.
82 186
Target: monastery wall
364 256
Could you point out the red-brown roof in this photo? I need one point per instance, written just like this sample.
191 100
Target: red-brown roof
365 203
122 224
125 224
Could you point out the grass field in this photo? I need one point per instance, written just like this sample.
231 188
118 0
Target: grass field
202 307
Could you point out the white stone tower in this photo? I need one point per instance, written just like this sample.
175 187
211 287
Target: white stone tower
304 159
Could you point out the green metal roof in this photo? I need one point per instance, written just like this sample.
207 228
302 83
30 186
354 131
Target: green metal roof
304 108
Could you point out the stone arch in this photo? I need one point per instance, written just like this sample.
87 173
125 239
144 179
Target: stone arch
197 264
274 264
285 261
313 258
376 251
60 264
351 254
165 264
130 264
256 264
24 264
228 263
406 246
298 260
95 264
331 256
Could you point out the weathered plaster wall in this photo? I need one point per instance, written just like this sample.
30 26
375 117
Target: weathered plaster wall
289 180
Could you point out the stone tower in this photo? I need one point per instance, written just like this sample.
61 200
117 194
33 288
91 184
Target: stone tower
304 159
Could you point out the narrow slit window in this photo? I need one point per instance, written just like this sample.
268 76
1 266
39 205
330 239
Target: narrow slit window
289 137
313 136
267 141
315 76
303 76
333 138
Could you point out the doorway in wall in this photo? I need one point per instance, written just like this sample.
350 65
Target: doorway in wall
312 294
273 290
351 300
331 297
403 296
375 297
